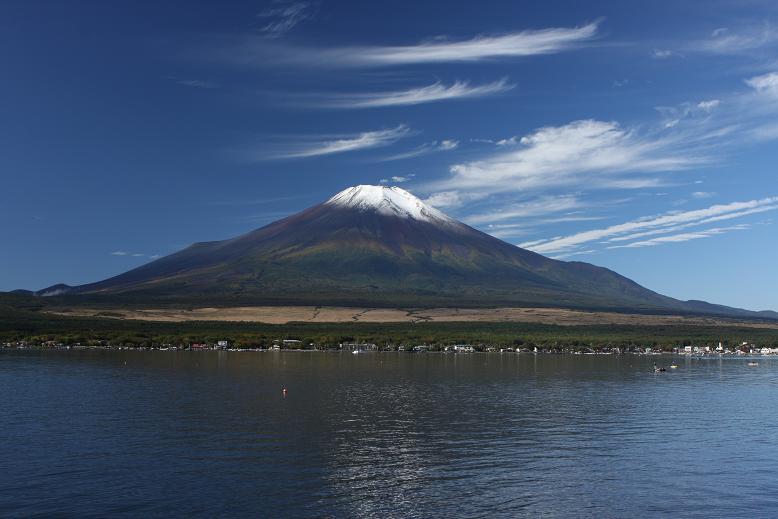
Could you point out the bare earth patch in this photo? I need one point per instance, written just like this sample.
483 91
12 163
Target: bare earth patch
332 314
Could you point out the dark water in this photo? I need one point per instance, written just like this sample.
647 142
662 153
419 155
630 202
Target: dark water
385 435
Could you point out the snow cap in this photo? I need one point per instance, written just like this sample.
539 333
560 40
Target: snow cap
388 200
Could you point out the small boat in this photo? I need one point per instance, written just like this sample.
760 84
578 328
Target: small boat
673 366
354 352
658 370
752 364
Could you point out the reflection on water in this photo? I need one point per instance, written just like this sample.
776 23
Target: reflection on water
385 434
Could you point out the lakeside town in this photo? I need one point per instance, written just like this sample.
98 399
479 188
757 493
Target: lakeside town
744 348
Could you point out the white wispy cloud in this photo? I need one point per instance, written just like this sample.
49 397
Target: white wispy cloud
708 105
530 225
767 132
451 199
765 84
682 237
256 52
725 40
663 54
424 149
539 206
444 199
694 223
449 144
195 83
653 225
510 141
573 154
675 114
312 147
283 16
577 253
524 43
606 155
134 254
414 96
578 155
512 230
398 179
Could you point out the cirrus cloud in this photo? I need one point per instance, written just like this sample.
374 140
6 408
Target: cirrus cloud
414 96
668 222
305 147
284 16
765 84
253 51
725 40
424 149
568 155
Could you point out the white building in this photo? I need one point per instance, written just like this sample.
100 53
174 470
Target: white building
361 346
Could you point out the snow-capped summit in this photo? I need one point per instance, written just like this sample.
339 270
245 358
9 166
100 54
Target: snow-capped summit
388 200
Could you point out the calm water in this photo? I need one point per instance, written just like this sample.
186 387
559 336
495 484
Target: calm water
385 435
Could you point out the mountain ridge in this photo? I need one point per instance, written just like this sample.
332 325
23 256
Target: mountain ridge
379 245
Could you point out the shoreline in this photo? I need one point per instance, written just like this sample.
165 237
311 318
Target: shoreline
477 350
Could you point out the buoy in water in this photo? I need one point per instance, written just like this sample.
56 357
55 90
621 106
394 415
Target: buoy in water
283 391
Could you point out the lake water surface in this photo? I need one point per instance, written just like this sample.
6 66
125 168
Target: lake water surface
98 433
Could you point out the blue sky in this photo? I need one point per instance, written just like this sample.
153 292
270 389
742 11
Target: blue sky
639 137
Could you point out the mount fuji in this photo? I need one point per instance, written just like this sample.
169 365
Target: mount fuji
376 246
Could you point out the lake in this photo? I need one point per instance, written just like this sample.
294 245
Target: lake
150 433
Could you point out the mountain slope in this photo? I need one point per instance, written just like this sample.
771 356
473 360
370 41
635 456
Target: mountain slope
378 246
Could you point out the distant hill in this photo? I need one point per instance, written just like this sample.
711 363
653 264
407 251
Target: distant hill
378 246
